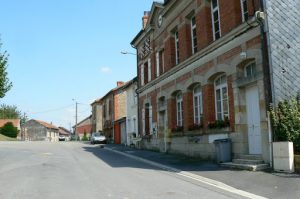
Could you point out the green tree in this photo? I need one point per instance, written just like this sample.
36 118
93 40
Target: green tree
9 112
9 130
5 84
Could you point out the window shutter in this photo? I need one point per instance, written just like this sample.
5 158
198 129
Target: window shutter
149 70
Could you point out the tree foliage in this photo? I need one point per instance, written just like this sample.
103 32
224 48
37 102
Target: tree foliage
9 130
5 84
9 112
285 119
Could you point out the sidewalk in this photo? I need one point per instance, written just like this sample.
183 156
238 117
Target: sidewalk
266 184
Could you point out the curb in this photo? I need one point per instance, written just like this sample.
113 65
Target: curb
190 175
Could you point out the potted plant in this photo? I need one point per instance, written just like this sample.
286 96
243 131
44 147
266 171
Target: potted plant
285 118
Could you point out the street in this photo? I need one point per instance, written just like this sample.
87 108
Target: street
77 170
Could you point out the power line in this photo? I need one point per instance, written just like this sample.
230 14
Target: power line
52 110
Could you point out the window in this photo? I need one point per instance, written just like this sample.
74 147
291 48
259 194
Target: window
157 64
194 35
216 19
244 7
179 109
249 70
149 70
142 75
198 107
222 108
176 47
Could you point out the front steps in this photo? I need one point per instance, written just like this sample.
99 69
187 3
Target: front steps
247 162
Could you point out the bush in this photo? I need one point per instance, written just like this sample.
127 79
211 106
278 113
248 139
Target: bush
9 130
84 138
285 118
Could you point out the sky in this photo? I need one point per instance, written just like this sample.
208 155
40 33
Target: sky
60 50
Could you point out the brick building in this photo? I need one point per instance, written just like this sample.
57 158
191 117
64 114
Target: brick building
202 76
84 127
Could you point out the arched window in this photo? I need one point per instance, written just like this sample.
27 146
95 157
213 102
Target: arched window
179 109
222 108
198 106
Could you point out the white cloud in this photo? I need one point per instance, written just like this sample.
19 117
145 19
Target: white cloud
105 69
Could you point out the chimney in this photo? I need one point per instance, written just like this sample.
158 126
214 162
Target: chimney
120 83
145 18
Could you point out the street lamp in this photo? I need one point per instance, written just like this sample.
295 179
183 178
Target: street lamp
126 53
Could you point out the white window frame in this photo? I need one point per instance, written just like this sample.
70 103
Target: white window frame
149 70
179 109
142 75
198 104
157 63
220 87
150 120
193 37
176 36
143 122
213 10
243 10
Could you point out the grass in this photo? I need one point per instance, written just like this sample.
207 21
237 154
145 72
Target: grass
4 138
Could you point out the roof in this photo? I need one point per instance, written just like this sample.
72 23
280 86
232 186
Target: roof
82 121
45 124
64 131
15 122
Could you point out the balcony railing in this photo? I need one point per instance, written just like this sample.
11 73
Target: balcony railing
243 81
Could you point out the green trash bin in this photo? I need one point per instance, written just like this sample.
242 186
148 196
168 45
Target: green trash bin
223 150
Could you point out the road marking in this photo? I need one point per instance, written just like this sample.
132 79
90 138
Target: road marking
192 176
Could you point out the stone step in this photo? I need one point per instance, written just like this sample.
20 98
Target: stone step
249 167
251 157
247 161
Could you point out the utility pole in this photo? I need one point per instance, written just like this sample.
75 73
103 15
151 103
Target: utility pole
76 119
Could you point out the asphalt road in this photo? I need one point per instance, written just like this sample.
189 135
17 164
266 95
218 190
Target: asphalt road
42 170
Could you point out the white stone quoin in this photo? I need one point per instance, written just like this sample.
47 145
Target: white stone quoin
283 155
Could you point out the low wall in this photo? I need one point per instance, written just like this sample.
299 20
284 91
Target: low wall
297 163
198 146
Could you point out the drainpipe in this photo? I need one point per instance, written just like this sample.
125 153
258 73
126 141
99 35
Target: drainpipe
267 70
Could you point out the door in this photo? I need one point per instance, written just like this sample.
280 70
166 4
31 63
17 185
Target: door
253 120
123 133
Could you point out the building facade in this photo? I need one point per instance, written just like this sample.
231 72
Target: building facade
97 116
202 77
36 130
131 111
84 127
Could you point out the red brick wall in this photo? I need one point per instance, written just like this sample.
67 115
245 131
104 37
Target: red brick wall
230 15
169 53
154 105
185 47
85 128
229 54
171 113
253 6
209 113
204 27
253 42
188 116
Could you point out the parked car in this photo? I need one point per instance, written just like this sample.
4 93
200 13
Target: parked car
61 138
98 138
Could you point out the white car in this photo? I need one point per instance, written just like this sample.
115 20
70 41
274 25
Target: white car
98 138
61 138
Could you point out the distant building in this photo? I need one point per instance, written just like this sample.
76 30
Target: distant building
65 132
97 115
84 126
36 130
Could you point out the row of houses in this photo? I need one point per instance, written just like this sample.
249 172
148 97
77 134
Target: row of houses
206 69
114 114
